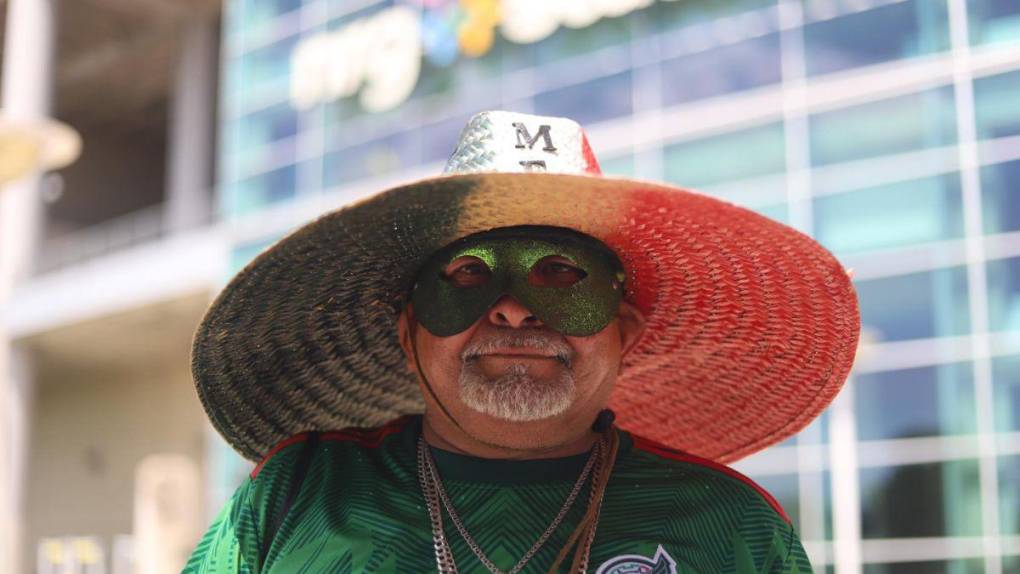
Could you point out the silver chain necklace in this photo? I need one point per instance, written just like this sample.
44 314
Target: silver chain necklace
436 499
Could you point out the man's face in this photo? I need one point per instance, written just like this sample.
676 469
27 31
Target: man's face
508 365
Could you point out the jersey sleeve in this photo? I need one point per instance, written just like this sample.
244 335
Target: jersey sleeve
234 542
796 560
767 543
230 546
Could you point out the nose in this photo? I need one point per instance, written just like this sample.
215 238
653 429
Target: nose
508 312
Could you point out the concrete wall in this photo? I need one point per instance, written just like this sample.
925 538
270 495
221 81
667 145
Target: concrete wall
88 433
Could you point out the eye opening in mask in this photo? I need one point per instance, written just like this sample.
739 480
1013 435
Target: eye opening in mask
556 271
447 302
467 271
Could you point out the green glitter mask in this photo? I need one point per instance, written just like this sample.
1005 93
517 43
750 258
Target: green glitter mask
569 281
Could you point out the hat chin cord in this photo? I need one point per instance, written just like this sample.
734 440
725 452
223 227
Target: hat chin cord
413 328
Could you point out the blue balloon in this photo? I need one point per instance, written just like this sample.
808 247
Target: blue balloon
439 40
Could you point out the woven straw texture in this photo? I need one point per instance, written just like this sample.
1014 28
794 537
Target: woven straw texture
752 326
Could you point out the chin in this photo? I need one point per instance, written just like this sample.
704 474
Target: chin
517 396
509 406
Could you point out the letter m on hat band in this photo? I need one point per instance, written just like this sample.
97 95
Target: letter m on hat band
519 143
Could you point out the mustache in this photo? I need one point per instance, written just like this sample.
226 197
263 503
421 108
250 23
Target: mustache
544 343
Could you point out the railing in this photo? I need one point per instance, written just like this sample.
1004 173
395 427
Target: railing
128 230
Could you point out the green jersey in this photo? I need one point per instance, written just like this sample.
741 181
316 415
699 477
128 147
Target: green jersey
359 508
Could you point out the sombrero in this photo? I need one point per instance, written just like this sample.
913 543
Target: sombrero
751 330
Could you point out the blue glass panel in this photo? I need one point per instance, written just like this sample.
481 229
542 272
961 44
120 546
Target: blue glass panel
738 67
342 133
343 11
270 187
995 105
785 489
816 433
590 102
474 80
373 159
229 199
265 74
227 470
620 165
1000 197
994 21
515 56
348 125
1004 294
674 15
233 79
792 441
779 212
257 13
232 15
969 566
890 215
267 63
919 500
245 252
906 123
266 126
439 139
916 305
566 42
1006 389
284 6
435 80
891 32
1009 496
336 112
826 490
734 156
255 161
928 401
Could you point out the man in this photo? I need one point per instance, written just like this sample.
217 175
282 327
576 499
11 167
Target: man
512 300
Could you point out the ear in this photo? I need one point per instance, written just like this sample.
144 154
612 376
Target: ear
632 326
404 334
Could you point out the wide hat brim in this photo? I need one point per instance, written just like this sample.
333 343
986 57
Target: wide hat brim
752 326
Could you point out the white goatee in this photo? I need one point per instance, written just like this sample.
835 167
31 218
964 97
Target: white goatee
516 395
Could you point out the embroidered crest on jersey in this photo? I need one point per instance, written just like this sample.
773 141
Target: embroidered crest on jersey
661 563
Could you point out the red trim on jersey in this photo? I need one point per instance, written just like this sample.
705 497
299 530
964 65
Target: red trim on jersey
279 446
662 450
367 437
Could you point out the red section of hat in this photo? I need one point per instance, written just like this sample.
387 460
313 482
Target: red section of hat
591 164
624 242
750 328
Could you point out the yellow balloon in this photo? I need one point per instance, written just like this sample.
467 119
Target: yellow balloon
475 40
482 11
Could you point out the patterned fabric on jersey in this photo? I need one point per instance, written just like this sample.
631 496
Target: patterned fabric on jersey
360 509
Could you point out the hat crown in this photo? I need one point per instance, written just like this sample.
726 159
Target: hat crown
510 142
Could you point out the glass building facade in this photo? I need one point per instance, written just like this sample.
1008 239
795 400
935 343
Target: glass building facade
887 129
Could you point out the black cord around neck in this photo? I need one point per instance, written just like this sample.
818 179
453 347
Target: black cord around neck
413 327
